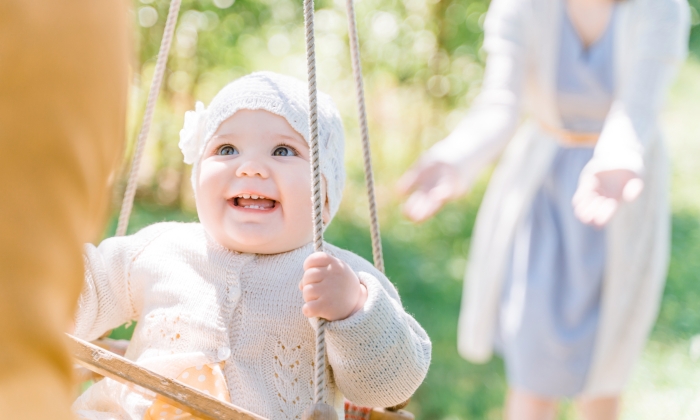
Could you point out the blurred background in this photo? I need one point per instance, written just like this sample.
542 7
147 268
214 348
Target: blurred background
423 65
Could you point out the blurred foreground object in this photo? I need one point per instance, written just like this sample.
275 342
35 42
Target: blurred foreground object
63 85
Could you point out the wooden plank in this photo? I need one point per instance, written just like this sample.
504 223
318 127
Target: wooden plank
182 396
384 414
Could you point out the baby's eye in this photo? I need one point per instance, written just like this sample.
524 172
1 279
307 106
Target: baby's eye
284 151
226 149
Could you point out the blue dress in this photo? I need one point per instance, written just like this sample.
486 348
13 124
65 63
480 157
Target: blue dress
550 305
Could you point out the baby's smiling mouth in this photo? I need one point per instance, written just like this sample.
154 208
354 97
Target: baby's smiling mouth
252 201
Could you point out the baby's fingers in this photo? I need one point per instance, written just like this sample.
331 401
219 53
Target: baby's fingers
314 308
311 292
311 276
317 259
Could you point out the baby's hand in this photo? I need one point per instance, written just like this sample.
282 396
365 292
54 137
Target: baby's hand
330 288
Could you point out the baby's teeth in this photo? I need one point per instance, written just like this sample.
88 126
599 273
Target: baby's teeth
246 195
254 197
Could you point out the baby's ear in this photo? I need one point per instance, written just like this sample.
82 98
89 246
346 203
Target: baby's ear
326 214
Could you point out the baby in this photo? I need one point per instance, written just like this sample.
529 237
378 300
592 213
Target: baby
229 305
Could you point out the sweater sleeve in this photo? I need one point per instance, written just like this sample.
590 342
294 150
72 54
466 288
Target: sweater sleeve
112 289
493 118
661 29
379 355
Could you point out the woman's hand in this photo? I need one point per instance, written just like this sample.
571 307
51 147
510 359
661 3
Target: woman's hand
330 288
430 184
599 194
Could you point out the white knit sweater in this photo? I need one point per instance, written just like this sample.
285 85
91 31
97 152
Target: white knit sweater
198 303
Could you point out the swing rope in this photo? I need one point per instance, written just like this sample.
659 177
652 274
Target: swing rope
130 192
320 363
364 134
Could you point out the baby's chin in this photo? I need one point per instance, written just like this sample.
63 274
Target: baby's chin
258 239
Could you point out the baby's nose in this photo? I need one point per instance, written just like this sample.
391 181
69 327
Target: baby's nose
252 167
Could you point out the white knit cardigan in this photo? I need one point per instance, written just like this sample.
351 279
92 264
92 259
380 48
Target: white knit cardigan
199 303
521 39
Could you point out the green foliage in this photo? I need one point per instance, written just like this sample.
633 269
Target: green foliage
679 318
695 32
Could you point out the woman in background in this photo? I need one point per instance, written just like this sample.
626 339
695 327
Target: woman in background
570 249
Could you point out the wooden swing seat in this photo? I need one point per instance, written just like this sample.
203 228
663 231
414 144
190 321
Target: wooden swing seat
111 365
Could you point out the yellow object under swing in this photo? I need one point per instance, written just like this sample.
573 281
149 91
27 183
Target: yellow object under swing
189 399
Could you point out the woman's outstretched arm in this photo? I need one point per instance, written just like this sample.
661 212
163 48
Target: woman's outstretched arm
617 169
450 167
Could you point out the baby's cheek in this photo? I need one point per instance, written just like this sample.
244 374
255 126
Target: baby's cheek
209 198
203 200
299 178
298 207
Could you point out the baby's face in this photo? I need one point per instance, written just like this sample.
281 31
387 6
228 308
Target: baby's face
254 187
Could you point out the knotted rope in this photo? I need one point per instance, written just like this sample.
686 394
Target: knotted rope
364 132
320 363
130 192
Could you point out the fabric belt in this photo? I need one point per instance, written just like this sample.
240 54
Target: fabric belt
570 138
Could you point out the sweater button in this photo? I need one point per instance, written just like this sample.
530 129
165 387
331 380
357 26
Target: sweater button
224 353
